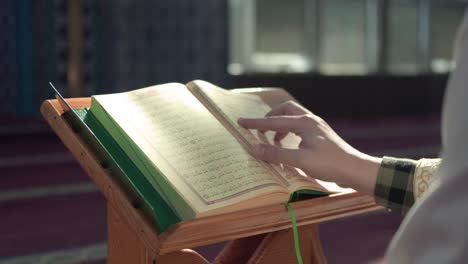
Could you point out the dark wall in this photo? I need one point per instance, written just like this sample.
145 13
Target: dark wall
141 43
359 96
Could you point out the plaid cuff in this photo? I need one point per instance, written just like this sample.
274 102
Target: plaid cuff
394 186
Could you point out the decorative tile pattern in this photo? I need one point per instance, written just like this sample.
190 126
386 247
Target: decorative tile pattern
126 45
8 56
140 43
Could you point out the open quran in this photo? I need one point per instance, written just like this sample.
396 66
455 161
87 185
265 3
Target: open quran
183 155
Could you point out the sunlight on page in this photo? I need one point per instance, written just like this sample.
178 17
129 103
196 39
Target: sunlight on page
206 157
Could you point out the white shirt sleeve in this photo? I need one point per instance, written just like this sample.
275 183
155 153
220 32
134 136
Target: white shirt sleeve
435 230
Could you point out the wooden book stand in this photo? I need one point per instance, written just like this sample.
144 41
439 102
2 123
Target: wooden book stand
261 235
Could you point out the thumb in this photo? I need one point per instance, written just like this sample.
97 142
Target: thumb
277 155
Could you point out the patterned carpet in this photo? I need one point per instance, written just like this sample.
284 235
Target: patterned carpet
50 212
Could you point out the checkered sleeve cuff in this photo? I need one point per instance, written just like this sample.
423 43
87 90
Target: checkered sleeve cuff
394 185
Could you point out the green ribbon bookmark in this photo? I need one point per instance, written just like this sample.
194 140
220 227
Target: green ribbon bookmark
295 233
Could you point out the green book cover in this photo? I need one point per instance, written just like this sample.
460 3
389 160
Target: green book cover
154 177
142 193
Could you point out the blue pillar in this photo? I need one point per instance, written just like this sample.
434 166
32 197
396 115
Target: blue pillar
24 54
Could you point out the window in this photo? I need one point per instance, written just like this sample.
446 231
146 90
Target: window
343 36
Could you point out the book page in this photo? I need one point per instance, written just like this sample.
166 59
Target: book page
183 139
233 105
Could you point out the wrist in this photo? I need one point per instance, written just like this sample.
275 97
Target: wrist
363 172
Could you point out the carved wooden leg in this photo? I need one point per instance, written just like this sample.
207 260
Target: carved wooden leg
239 250
184 256
278 247
123 246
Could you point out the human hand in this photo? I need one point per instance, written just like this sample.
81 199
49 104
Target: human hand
322 154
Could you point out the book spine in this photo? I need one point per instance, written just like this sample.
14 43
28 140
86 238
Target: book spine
130 178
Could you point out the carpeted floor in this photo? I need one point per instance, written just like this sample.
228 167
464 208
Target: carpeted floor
50 212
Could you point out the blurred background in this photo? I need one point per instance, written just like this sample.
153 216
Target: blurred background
375 69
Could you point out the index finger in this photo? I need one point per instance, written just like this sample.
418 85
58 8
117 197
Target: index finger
274 123
287 108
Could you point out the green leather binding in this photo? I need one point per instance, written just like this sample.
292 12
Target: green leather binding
300 195
143 195
136 156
